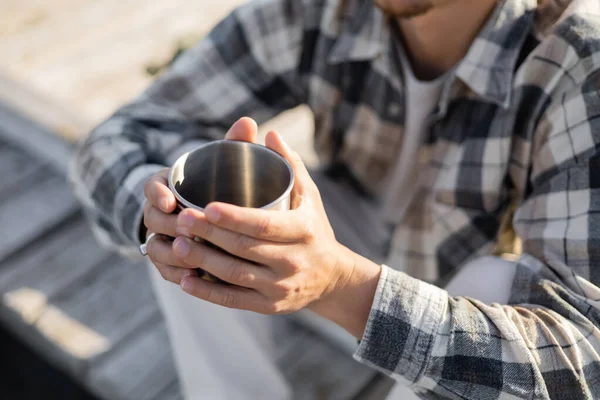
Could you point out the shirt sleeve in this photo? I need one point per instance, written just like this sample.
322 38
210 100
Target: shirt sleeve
546 342
247 66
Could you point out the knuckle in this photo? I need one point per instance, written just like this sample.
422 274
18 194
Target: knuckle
147 190
265 228
208 295
152 220
197 257
270 309
150 187
147 207
291 262
208 230
164 224
148 213
162 271
236 273
230 300
241 244
276 308
283 289
308 230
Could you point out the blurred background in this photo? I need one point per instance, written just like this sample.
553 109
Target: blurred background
69 64
77 322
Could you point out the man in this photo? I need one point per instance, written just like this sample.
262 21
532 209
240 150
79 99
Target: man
446 113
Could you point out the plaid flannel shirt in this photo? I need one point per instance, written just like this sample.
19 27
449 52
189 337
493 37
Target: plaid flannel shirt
518 123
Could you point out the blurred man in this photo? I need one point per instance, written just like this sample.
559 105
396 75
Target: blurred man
444 115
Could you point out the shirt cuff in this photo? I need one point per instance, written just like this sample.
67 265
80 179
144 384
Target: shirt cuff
402 327
130 200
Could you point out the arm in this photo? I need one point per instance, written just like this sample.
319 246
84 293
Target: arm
545 344
248 65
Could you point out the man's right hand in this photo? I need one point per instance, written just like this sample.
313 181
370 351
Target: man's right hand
161 203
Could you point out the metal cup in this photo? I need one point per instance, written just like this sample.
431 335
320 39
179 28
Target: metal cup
239 173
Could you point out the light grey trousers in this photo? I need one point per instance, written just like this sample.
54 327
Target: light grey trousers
227 354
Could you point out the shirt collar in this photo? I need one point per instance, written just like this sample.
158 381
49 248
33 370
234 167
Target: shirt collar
488 67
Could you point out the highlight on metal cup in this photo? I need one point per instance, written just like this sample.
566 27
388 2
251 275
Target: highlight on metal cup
234 172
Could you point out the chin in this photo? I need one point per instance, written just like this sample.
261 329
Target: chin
405 8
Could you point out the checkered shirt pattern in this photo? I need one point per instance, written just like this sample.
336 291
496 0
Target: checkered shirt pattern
518 123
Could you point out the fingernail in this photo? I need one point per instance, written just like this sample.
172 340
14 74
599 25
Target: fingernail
212 214
181 247
187 285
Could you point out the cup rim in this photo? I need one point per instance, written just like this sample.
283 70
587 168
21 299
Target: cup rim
184 156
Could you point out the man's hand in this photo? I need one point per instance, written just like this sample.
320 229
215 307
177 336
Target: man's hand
159 208
285 260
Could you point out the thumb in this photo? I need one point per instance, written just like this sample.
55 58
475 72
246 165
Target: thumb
275 142
244 130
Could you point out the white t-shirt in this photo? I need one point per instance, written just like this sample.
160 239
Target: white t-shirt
421 98
486 279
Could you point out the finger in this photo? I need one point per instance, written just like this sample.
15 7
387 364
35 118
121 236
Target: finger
159 222
245 130
227 296
222 265
275 142
275 226
173 274
158 194
192 223
161 251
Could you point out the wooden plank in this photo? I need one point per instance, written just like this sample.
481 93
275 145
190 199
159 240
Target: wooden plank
91 55
172 392
12 161
63 257
9 185
39 142
36 340
114 302
33 212
141 370
16 169
85 297
30 279
91 317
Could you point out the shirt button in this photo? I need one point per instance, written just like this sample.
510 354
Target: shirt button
394 109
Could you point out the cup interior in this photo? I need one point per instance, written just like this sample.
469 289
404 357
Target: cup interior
239 173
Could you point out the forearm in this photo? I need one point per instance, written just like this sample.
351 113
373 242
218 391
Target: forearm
457 346
107 176
349 302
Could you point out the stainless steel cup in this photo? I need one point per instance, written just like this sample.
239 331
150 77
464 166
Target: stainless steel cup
240 173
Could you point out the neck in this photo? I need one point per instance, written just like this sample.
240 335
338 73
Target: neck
437 40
